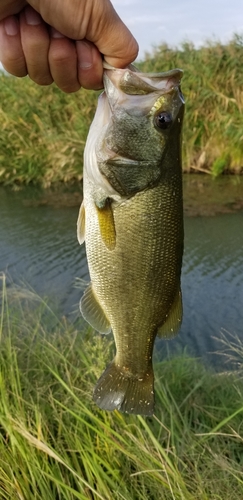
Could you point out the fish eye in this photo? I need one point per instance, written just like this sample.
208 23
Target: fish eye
163 120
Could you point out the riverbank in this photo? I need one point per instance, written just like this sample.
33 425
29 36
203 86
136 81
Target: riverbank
43 131
201 195
55 443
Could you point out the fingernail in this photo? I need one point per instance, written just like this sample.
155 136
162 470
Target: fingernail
56 34
85 56
11 26
32 17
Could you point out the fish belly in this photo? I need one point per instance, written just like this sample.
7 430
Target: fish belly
135 284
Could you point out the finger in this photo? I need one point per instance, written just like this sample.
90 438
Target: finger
10 7
11 52
63 62
90 67
94 20
35 42
113 38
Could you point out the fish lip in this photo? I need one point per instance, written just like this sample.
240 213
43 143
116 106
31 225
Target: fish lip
134 69
130 78
174 76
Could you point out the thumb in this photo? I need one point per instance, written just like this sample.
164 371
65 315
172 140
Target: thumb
94 20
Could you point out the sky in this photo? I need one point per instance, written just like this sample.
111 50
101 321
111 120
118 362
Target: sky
153 22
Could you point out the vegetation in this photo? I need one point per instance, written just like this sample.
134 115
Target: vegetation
43 131
212 85
56 444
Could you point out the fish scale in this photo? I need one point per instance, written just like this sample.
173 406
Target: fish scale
134 245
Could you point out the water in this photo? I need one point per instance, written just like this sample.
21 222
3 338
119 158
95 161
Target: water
212 282
38 248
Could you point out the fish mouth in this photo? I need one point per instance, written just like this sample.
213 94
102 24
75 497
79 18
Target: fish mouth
133 82
133 90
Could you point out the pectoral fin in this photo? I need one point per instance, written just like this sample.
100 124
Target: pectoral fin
107 225
93 313
81 224
173 322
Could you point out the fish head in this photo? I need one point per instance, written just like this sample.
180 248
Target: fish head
139 116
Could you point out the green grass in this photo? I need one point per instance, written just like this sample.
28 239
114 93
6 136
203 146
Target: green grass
43 131
212 85
56 444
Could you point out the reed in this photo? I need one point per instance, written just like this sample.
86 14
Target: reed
56 444
43 130
212 84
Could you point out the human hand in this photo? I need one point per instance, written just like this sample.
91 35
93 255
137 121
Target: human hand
60 41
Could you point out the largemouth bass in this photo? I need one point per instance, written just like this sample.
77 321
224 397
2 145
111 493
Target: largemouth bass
131 220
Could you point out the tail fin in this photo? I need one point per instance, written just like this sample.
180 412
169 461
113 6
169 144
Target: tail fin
119 390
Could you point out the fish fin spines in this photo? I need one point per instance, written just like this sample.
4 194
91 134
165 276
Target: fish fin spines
92 311
172 325
118 390
81 224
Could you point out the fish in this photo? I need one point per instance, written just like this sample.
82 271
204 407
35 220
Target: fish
131 220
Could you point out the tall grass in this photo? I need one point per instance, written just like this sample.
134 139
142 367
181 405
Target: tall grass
43 131
212 84
56 444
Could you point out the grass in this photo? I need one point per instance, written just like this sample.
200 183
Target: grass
56 444
43 131
212 85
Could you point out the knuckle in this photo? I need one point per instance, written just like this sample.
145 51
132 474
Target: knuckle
58 57
42 80
69 88
16 67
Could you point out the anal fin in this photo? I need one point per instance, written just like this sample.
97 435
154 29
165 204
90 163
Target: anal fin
172 325
93 313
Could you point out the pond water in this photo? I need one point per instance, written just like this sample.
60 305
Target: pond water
38 248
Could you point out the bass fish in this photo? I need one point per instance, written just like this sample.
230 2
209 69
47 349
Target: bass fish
131 220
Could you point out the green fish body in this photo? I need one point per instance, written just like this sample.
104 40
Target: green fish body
131 220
